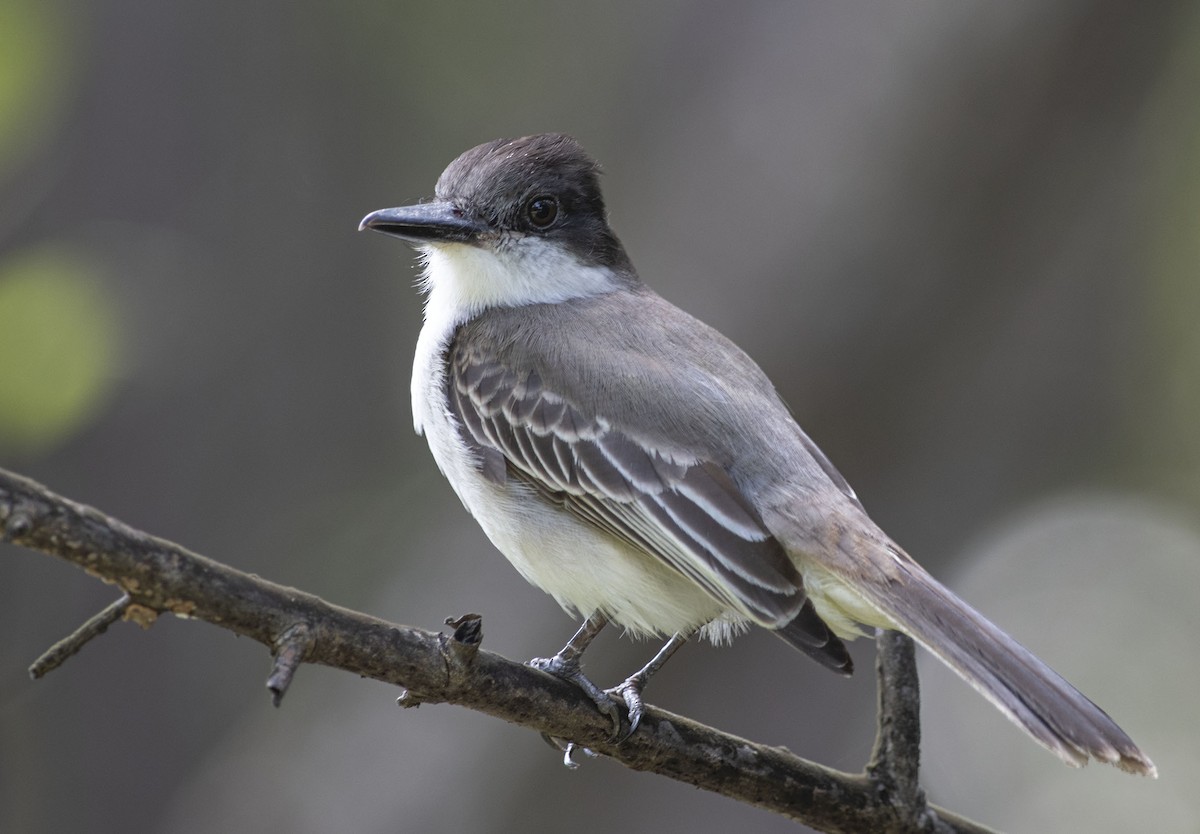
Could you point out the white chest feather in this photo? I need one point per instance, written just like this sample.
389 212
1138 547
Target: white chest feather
463 280
584 569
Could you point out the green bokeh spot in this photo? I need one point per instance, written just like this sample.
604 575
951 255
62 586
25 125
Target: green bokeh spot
58 340
34 76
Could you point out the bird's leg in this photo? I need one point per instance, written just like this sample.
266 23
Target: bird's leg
631 689
566 665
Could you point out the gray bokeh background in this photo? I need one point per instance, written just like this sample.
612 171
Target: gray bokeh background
961 237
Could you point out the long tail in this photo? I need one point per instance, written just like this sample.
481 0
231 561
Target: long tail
1033 696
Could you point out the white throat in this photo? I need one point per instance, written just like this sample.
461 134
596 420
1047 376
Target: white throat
463 280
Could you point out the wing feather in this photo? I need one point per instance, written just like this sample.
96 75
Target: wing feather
689 514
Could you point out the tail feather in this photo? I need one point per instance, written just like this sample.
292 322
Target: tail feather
809 633
1032 695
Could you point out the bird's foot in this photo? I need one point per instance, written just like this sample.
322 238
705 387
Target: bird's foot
568 669
630 691
568 749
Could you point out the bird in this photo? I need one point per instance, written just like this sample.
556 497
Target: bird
640 468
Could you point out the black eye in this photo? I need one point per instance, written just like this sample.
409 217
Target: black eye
542 211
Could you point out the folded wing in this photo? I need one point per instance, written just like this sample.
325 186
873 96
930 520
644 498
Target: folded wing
687 513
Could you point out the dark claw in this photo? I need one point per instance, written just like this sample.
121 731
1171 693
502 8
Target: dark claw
631 693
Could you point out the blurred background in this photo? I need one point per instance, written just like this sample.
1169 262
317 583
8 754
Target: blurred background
963 239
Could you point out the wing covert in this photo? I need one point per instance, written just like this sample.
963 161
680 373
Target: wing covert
689 514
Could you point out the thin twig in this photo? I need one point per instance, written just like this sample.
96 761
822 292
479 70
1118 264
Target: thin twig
57 654
290 651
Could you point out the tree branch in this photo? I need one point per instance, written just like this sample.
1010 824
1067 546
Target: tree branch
895 760
157 576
